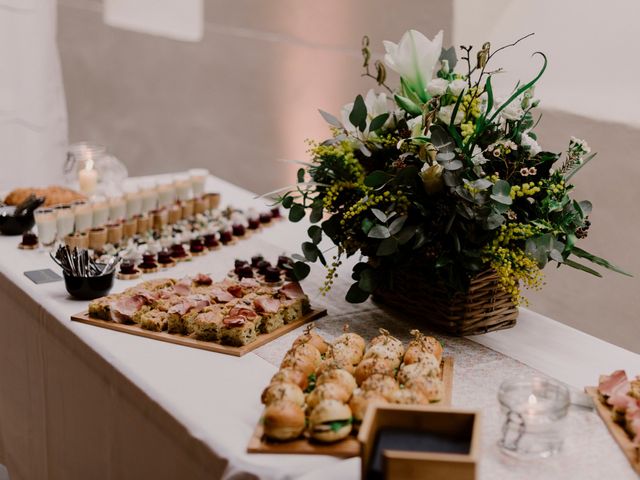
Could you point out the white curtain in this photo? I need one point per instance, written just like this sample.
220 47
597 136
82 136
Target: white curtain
33 117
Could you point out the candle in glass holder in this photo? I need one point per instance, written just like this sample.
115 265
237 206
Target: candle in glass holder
87 175
535 409
83 213
100 212
65 220
133 202
117 208
46 223
198 179
166 193
183 187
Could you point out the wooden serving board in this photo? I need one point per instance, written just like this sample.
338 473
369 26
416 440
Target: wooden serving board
349 447
631 451
187 341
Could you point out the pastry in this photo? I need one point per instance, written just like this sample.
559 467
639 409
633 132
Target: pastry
360 401
330 421
283 421
53 195
432 387
384 385
409 396
429 367
154 320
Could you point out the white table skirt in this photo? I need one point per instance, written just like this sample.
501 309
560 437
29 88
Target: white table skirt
79 402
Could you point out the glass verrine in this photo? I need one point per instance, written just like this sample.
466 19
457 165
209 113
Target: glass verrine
535 410
198 180
46 223
65 220
83 213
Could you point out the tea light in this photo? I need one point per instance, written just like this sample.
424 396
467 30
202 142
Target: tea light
83 213
88 176
100 209
117 208
133 201
198 179
183 187
166 193
65 220
149 195
535 409
46 222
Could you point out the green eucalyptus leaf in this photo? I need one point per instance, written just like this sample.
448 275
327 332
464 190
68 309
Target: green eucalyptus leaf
296 213
367 225
358 268
316 214
378 122
301 270
358 115
368 281
356 294
310 251
452 165
493 221
406 234
388 246
301 173
379 231
585 207
315 233
287 201
379 214
298 257
330 119
397 224
598 261
500 192
376 179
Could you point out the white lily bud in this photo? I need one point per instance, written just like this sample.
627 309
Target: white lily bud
431 176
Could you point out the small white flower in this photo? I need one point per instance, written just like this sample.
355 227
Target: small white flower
513 111
415 126
432 177
437 87
527 141
477 157
457 86
376 105
445 113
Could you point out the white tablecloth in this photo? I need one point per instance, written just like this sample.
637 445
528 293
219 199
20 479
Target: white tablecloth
80 402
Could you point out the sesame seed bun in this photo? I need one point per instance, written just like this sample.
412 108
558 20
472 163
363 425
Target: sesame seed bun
330 421
283 420
338 376
282 391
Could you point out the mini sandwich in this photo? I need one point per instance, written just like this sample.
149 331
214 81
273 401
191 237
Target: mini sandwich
428 367
330 421
381 384
340 377
433 388
410 396
309 336
359 403
391 344
372 366
291 375
283 421
283 391
353 340
421 344
385 352
327 391
302 358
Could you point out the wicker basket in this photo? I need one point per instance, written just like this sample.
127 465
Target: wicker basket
485 307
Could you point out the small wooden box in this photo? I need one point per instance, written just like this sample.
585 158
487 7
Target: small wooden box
441 430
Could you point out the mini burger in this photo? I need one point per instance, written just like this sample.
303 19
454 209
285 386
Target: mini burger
359 403
330 421
291 375
421 343
283 391
305 352
371 366
432 387
309 336
390 354
428 367
327 391
340 377
409 396
390 343
330 363
283 421
345 354
353 340
381 384
303 364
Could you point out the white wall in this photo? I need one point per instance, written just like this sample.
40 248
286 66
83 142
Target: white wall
592 47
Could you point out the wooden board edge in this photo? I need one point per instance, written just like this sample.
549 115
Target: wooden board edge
256 445
263 339
631 451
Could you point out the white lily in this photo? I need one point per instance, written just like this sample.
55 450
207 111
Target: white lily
446 112
376 103
414 59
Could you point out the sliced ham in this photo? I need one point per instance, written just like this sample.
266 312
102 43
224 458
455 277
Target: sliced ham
234 321
608 383
183 287
236 290
125 307
148 295
267 304
202 279
193 302
292 290
243 311
220 295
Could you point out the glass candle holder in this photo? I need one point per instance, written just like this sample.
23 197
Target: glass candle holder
46 222
82 157
535 410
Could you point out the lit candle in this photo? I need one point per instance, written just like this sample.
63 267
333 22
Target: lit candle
88 176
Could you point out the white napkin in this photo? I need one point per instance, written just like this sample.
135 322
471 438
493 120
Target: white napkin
176 19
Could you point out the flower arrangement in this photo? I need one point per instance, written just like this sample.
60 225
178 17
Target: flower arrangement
441 176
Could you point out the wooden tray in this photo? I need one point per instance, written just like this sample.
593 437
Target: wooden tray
349 447
631 451
186 341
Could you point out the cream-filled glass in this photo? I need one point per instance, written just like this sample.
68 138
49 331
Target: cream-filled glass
117 208
46 223
100 212
133 201
183 187
83 213
65 220
166 192
149 195
198 179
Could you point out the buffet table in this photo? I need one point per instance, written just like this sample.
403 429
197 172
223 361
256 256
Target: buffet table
79 402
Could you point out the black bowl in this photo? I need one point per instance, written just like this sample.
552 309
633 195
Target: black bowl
15 224
88 288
